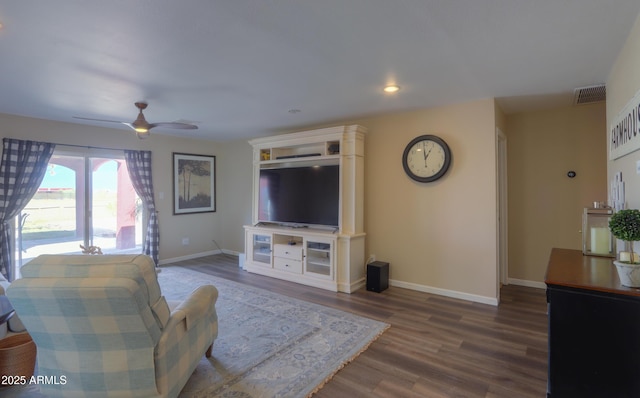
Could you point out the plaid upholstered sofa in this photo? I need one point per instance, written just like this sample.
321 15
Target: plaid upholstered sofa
101 324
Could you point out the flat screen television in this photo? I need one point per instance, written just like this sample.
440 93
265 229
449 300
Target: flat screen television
307 195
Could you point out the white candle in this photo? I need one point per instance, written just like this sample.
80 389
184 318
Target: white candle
625 256
600 240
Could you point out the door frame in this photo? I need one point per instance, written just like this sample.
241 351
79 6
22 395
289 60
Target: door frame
502 210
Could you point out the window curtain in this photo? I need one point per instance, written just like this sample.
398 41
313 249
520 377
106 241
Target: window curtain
23 167
139 166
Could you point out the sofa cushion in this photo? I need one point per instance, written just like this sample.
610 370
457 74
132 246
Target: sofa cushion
93 331
138 267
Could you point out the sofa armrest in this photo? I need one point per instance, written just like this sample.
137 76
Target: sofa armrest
200 303
192 328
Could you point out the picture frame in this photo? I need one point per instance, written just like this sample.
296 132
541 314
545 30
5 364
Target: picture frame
194 183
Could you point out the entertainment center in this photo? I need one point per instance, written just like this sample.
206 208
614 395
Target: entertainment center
307 225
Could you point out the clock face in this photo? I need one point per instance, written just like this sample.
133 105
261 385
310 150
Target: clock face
426 158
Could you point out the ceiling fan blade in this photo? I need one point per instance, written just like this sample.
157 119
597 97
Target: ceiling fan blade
129 125
175 125
141 126
98 120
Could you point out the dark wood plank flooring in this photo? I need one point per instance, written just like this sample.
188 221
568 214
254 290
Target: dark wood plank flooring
436 346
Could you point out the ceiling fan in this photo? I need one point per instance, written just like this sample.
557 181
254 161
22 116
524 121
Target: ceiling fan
141 126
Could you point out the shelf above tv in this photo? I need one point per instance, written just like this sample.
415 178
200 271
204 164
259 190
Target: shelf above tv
301 162
304 146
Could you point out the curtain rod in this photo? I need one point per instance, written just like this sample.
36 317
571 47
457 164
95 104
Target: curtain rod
86 146
90 147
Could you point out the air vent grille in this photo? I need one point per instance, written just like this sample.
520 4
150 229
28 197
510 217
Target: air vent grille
590 94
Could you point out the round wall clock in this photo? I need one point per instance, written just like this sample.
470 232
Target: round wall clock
426 158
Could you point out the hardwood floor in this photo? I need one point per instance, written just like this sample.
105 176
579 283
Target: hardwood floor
436 346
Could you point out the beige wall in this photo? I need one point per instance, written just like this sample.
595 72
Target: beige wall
438 237
623 83
236 180
545 206
201 228
441 236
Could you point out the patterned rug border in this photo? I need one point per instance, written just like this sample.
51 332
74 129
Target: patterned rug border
348 361
260 291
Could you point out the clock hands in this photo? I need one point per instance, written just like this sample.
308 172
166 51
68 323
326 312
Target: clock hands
426 154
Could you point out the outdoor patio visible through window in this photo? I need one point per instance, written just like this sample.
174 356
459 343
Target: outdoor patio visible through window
74 207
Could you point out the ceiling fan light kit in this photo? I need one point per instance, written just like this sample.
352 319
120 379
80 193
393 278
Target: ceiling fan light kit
142 127
391 88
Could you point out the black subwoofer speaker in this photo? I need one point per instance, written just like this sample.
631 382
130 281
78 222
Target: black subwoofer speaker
377 276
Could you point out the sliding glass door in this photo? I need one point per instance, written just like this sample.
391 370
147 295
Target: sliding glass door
114 222
85 199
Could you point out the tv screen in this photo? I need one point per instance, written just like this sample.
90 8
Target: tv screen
300 195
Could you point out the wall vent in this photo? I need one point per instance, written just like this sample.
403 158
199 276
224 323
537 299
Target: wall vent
590 94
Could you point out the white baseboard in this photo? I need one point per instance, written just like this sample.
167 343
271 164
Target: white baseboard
196 255
406 285
526 283
350 288
445 292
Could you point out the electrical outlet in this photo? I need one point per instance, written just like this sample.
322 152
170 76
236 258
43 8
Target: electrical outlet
185 241
372 257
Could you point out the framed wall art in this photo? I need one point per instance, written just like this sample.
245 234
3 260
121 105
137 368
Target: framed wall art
194 183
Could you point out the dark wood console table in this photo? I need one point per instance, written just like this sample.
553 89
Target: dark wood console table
594 328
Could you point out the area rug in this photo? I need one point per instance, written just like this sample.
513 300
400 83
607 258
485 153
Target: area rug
269 345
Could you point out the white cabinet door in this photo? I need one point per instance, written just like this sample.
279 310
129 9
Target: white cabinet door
260 248
318 259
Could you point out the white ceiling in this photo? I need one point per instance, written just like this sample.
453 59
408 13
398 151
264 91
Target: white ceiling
236 67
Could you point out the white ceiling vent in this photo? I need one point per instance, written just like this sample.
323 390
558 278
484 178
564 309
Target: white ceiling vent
590 94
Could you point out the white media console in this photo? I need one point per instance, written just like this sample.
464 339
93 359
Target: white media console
327 257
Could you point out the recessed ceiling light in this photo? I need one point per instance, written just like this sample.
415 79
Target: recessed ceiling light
392 88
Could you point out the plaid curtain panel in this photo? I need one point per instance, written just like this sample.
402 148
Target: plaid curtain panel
21 172
139 166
